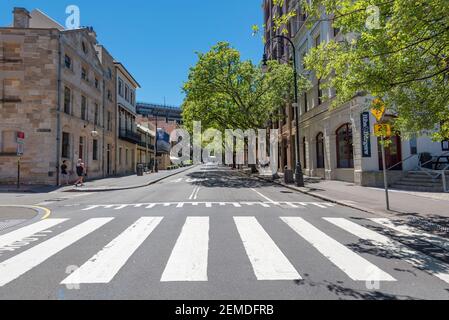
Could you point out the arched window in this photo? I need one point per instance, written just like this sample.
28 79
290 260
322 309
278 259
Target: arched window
320 151
345 151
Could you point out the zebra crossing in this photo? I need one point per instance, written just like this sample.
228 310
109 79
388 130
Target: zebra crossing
211 204
189 258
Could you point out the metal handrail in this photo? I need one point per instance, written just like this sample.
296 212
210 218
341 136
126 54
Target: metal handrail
403 161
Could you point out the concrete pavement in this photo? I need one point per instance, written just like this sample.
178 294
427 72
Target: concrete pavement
214 234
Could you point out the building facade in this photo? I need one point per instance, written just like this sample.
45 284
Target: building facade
128 138
336 143
53 90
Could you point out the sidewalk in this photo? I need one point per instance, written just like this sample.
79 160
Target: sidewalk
372 200
108 184
124 183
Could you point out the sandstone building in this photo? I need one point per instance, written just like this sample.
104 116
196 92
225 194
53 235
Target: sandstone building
59 87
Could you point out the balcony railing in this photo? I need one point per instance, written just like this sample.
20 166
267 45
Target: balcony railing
129 136
145 145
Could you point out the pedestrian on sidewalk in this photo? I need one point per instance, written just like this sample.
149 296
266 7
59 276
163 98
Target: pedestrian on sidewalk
80 169
64 174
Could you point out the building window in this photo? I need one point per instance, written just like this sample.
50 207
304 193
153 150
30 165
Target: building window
84 74
320 92
317 40
84 46
109 95
345 149
413 145
120 87
97 84
132 97
120 156
65 145
84 108
126 93
95 150
81 148
109 121
320 151
306 103
8 142
336 31
68 62
97 118
109 73
126 157
67 100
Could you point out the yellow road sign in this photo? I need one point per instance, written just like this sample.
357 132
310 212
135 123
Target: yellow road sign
382 130
378 109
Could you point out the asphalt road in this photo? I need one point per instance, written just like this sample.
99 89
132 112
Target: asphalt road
212 233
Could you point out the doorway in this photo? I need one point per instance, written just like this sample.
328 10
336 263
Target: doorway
393 154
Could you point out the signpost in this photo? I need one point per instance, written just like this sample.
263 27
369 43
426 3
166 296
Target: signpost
383 131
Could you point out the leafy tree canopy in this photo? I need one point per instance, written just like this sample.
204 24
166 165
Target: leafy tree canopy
395 50
224 92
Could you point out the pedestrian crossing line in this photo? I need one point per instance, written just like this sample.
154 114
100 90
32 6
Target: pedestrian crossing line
104 266
267 260
189 259
22 234
413 232
413 257
355 266
20 264
211 204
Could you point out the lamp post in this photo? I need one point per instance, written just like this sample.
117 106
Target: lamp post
299 177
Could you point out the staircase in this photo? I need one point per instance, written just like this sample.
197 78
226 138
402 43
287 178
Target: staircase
420 181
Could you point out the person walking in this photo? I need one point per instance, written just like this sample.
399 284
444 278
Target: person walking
80 172
64 174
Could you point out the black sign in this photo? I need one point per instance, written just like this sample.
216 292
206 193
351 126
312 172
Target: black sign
366 135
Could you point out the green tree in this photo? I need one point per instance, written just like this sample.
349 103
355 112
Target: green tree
224 92
395 50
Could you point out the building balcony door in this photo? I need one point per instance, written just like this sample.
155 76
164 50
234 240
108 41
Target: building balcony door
393 154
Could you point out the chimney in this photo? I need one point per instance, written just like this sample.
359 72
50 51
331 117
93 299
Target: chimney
21 18
92 34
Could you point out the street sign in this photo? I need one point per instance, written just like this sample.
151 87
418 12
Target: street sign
378 109
20 137
20 149
382 130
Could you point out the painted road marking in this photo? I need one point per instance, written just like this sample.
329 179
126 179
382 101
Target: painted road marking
413 232
415 258
356 267
22 235
15 267
268 261
103 267
189 258
265 197
194 194
209 204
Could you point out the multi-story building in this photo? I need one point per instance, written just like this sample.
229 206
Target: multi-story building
167 119
145 148
55 87
336 143
128 138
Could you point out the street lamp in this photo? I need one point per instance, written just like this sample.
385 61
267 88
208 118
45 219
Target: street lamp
299 177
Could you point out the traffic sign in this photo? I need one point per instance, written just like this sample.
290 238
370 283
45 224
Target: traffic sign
20 149
382 130
378 109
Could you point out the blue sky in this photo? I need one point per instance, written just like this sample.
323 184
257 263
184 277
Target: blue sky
157 40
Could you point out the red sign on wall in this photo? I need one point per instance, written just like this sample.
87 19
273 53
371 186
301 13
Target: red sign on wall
20 135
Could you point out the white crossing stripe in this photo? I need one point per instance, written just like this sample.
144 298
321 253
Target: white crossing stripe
268 261
355 266
189 258
410 231
415 258
103 267
28 231
18 265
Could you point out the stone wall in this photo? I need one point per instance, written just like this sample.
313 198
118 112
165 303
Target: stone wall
28 102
